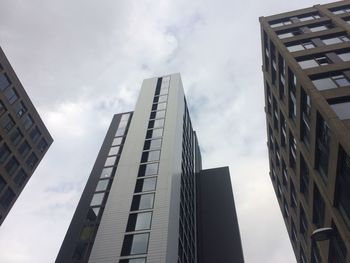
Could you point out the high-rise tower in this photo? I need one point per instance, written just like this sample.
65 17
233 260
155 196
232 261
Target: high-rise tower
306 66
24 138
147 198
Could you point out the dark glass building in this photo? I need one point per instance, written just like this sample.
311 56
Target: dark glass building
148 198
24 138
306 67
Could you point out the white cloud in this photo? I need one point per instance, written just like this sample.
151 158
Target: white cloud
82 61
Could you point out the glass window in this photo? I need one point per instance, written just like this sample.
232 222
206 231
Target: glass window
27 122
156 123
304 178
161 98
86 233
150 156
285 35
42 145
342 110
93 213
161 106
24 149
32 160
7 123
110 161
2 108
114 150
20 109
11 166
35 134
318 208
154 133
102 185
344 56
107 172
157 114
144 185
4 153
148 169
337 247
324 84
319 28
140 202
133 260
7 198
20 178
117 141
120 132
152 144
4 82
336 40
79 251
125 117
2 184
122 124
11 95
16 136
303 223
322 146
310 63
135 244
97 199
140 221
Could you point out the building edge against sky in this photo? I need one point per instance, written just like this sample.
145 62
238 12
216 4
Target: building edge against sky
147 198
24 138
306 67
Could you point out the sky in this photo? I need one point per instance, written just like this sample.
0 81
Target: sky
82 61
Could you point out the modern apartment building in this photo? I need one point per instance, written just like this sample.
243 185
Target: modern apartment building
24 138
148 198
306 67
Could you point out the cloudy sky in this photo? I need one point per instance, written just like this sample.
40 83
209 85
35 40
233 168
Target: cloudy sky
81 61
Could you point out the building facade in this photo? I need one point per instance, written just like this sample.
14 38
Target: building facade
306 68
24 138
142 202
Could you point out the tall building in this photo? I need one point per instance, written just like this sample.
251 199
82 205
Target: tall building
148 198
24 138
306 67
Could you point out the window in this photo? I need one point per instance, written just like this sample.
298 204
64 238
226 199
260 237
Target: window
7 123
120 132
337 248
158 123
150 156
133 260
86 233
135 244
342 193
344 56
300 46
20 109
308 17
144 185
20 178
11 166
97 199
293 197
140 202
122 124
331 82
2 184
32 160
7 198
148 169
27 122
279 23
291 33
322 146
318 208
4 82
283 126
341 10
292 151
139 221
302 255
152 144
314 62
42 145
159 106
157 114
102 185
125 117
315 254
161 98
304 178
305 118
16 136
106 172
154 133
284 173
294 235
35 134
303 223
2 108
4 153
24 149
320 28
93 213
110 161
11 95
285 208
336 40
282 74
117 141
114 150
341 107
79 251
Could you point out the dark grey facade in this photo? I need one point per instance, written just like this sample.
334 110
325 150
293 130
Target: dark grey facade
306 67
24 138
149 207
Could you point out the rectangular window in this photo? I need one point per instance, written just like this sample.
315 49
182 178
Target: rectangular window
133 260
303 224
7 123
148 169
159 106
152 144
4 81
110 161
4 153
93 213
113 151
11 95
155 133
292 151
97 199
135 244
158 123
341 107
20 109
337 248
2 108
32 160
162 98
35 134
305 118
120 132
283 127
16 136
293 196
139 221
20 178
86 233
2 184
150 156
140 202
300 46
11 166
322 147
318 208
157 114
27 122
42 145
102 185
145 185
335 40
7 198
117 141
304 178
24 149
107 172
336 80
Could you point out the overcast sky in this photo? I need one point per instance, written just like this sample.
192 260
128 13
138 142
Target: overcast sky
81 61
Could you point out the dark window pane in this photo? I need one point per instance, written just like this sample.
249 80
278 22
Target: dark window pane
93 213
7 198
135 244
150 156
11 166
35 134
142 202
4 81
4 153
20 109
140 221
16 136
133 260
20 178
42 145
86 233
153 144
32 160
24 149
337 248
11 95
318 208
7 123
27 122
2 184
80 251
322 147
144 185
2 108
148 169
